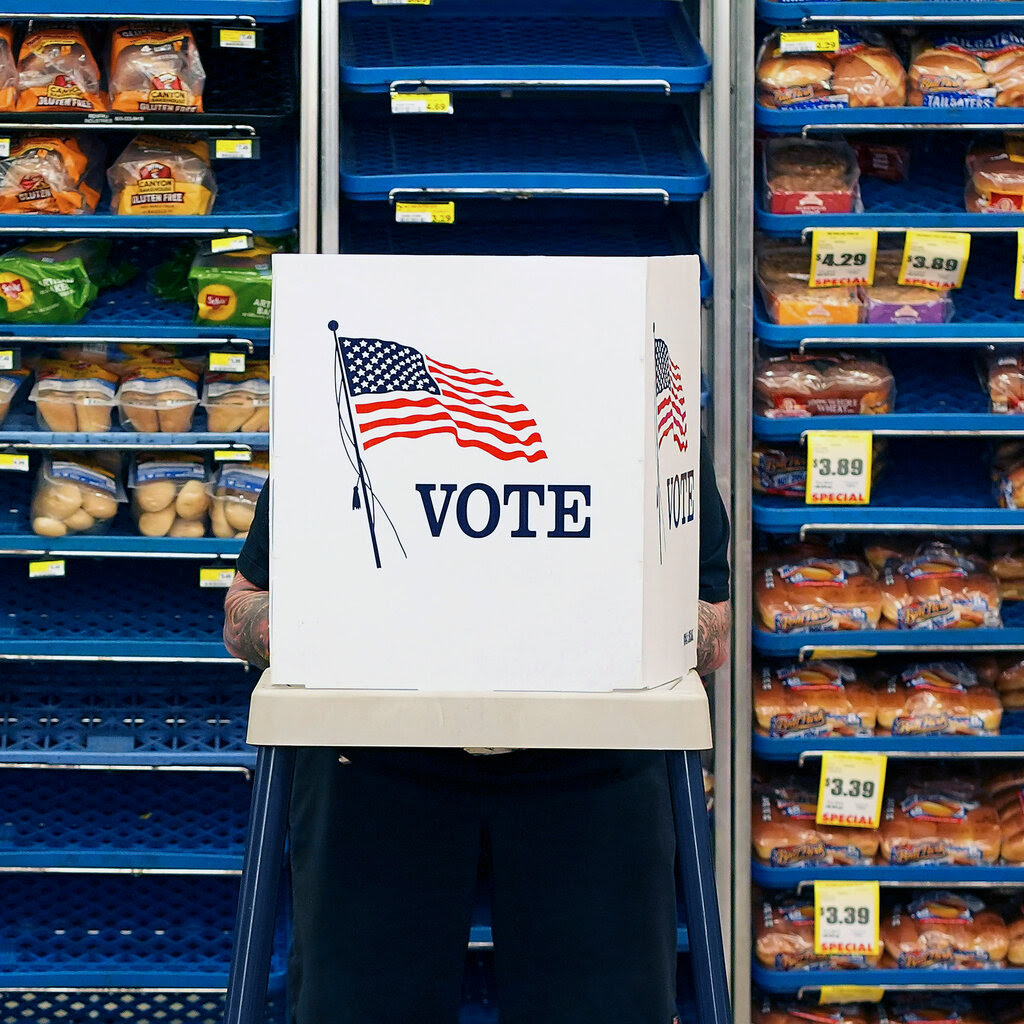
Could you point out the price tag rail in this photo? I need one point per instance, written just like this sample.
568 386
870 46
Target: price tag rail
889 877
237 12
892 979
896 12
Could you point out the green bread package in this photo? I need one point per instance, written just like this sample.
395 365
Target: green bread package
233 288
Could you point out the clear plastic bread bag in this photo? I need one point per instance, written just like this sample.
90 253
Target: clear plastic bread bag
76 493
74 395
155 69
170 494
235 489
238 401
158 394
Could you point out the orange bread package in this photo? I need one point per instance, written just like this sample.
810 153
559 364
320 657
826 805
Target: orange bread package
155 69
783 276
945 929
813 698
57 71
784 938
8 69
938 698
49 174
163 177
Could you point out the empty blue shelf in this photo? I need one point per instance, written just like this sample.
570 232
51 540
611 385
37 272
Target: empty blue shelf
124 714
935 978
794 121
632 151
566 44
958 875
791 12
224 11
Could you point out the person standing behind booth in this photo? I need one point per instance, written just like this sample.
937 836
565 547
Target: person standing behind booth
385 847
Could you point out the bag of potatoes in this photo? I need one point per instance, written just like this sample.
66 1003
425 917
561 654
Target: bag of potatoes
76 493
235 490
169 495
74 395
158 394
238 401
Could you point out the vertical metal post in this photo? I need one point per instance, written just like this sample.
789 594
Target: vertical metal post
330 127
309 107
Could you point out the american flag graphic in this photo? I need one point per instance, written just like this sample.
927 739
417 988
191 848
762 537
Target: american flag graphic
668 386
400 392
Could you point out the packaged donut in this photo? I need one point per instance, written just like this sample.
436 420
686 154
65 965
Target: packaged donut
57 71
169 494
155 69
76 493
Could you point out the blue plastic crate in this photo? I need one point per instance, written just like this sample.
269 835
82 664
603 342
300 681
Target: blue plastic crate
123 714
793 981
155 821
533 42
791 12
927 877
525 146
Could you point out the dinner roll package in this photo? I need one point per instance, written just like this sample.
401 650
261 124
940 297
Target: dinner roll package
76 493
235 488
169 495
73 395
158 394
238 401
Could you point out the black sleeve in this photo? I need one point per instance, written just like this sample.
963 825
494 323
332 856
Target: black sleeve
714 533
254 558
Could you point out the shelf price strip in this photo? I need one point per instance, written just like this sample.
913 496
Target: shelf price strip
850 790
838 467
843 256
846 918
1018 277
935 259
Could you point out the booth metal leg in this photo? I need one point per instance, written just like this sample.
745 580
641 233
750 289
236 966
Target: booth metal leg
697 881
261 874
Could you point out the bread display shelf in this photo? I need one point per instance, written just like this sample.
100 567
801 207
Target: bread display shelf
648 44
892 12
633 151
888 118
945 876
892 980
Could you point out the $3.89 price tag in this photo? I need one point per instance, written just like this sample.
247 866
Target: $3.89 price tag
850 791
846 918
935 259
838 467
843 256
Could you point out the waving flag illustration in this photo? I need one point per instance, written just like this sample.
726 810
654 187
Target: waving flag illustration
668 385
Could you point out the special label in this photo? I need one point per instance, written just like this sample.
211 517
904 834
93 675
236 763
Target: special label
846 918
935 259
843 256
838 467
850 790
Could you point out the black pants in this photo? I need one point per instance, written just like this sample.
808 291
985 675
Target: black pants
385 853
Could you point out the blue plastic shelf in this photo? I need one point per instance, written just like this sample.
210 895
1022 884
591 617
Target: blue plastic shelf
525 146
561 43
794 121
936 978
118 931
224 10
790 13
959 875
125 715
156 821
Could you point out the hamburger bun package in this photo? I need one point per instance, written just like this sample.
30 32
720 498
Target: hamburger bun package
968 69
822 384
158 394
938 698
51 174
812 699
784 938
1007 566
73 395
235 487
57 71
8 68
76 493
155 69
810 176
238 401
169 492
1008 798
234 287
945 929
995 175
162 177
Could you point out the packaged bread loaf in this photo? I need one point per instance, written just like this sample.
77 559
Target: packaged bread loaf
968 69
170 497
939 588
945 929
1010 680
236 486
1009 805
1008 474
52 281
882 159
784 834
50 174
995 175
164 177
158 394
789 1010
8 68
11 382
784 938
938 698
155 69
1002 374
886 301
810 176
76 493
822 384
783 276
57 71
234 287
812 698
936 1007
779 469
74 395
238 401
1007 566
817 594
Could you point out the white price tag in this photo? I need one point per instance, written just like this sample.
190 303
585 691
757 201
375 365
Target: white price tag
233 149
935 259
809 42
228 362
846 918
6 359
214 576
1018 277
850 791
232 455
838 467
843 256
231 243
421 103
425 213
19 463
5 147
237 38
47 569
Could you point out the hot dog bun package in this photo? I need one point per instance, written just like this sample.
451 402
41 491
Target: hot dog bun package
789 1010
163 177
236 486
938 698
1007 794
968 69
155 69
939 589
783 278
822 384
51 174
886 301
779 469
995 175
158 394
74 395
1008 474
863 72
918 1007
169 494
812 699
76 493
234 287
57 71
809 176
945 929
238 401
784 834
817 594
784 938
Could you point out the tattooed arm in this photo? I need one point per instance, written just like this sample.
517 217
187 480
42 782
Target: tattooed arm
713 622
246 625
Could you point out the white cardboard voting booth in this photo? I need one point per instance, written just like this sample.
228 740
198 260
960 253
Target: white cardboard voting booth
485 473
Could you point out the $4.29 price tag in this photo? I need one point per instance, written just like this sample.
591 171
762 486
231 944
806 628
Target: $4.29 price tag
425 213
846 918
809 42
850 791
838 467
935 259
843 256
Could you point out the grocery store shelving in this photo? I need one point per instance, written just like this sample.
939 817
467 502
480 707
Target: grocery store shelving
892 979
795 120
942 876
227 11
895 12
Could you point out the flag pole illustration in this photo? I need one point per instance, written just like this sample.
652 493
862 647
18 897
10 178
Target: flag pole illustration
657 450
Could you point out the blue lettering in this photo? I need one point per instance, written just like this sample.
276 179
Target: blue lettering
434 521
571 511
494 510
524 491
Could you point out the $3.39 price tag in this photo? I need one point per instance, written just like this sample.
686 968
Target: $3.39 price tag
850 791
838 467
843 256
425 213
935 259
846 918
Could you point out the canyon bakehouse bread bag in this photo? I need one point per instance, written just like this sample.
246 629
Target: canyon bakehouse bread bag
57 71
822 384
968 69
50 174
943 697
169 494
812 698
784 938
76 493
155 69
163 177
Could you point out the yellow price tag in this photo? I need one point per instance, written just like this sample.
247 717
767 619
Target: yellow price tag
231 243
850 791
228 362
1018 277
5 147
232 455
838 467
214 576
400 3
238 38
16 462
850 994
843 256
846 918
421 103
47 569
824 653
809 42
6 359
233 149
935 259
425 213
